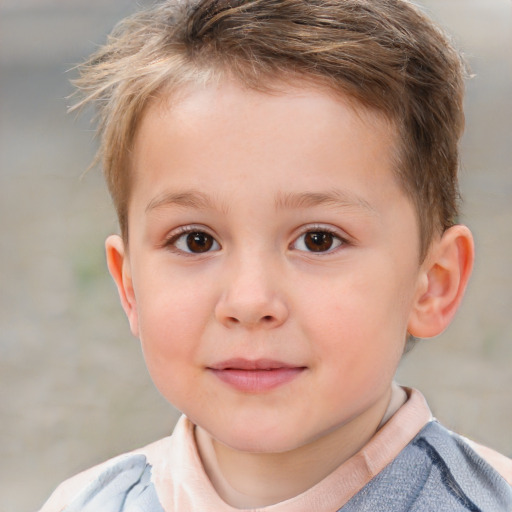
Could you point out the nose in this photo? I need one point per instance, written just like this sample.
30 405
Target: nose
251 297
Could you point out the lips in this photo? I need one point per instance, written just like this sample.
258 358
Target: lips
248 364
255 376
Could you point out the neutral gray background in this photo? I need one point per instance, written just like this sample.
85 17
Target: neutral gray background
73 386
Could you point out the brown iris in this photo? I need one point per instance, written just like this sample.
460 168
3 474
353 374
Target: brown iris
318 241
199 242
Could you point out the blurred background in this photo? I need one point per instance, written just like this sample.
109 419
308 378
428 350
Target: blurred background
73 386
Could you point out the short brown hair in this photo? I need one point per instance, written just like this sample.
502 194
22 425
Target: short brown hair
385 54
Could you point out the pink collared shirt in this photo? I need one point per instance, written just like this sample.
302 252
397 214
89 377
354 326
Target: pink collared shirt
182 484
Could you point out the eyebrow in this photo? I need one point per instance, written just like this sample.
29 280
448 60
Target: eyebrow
198 200
187 199
334 198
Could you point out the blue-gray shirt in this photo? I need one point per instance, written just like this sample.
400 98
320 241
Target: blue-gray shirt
436 472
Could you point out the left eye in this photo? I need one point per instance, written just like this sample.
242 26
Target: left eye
317 241
196 242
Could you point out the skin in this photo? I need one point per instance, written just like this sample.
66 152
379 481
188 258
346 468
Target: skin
255 173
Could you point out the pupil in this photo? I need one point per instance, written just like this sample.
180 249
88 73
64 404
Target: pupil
318 241
199 242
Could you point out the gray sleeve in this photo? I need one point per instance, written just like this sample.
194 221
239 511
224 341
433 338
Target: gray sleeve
125 486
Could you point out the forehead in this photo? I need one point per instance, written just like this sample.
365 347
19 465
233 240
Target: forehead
300 93
302 109
299 138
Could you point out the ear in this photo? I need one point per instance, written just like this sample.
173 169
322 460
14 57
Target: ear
120 270
442 282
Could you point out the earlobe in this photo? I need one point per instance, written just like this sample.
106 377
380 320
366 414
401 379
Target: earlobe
120 270
442 283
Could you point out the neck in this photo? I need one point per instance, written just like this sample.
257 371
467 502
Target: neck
251 480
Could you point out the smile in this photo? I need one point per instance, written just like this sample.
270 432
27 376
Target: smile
255 376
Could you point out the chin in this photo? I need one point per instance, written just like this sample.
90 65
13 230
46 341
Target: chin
259 440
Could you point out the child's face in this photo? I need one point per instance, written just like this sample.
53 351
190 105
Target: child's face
273 262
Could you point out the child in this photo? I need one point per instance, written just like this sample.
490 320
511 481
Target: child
284 173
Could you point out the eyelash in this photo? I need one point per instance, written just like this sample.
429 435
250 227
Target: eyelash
339 240
183 232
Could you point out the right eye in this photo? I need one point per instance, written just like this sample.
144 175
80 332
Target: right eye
194 242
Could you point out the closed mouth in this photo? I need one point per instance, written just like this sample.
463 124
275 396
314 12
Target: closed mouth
252 365
255 376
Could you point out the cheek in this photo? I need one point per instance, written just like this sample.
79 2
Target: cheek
170 349
172 304
173 316
359 319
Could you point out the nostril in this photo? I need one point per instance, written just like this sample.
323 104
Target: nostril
267 318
